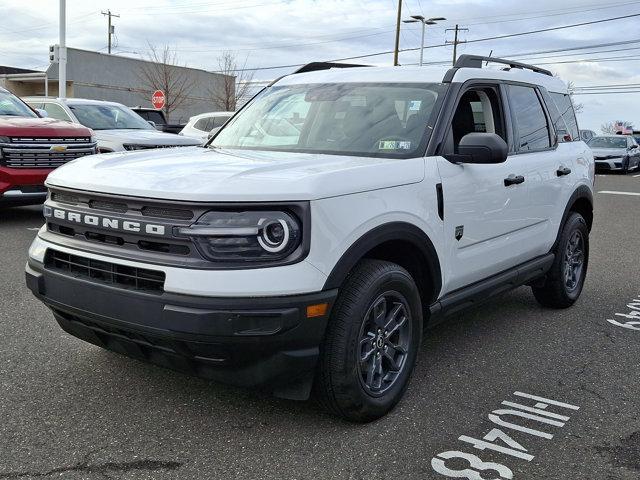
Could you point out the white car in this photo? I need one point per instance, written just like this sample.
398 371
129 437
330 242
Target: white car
334 216
203 125
117 127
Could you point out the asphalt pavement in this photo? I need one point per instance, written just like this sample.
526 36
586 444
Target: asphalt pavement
74 411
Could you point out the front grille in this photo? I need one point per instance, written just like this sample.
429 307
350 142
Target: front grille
121 276
107 204
41 152
40 140
167 212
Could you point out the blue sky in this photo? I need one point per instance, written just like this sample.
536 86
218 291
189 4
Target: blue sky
283 32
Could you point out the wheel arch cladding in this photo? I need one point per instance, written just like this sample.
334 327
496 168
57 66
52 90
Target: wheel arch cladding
581 201
401 243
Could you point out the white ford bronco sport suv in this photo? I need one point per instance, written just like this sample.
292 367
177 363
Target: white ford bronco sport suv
305 247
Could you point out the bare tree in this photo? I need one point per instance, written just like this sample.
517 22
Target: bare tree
613 128
234 88
571 87
162 72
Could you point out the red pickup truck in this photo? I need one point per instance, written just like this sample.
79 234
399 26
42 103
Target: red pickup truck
31 147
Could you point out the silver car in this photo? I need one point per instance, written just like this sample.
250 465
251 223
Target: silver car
117 127
615 152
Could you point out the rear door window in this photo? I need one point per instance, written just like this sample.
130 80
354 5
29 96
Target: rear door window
567 114
202 124
529 118
219 121
56 111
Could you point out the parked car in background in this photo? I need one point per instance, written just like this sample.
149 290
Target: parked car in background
117 127
31 147
158 119
586 135
201 126
615 152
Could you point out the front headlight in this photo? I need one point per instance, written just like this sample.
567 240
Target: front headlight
4 140
247 236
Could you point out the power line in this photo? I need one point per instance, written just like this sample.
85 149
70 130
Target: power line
518 34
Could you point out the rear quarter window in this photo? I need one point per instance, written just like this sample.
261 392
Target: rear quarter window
567 120
531 126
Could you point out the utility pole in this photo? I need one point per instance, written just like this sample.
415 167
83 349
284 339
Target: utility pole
111 28
62 54
397 47
456 41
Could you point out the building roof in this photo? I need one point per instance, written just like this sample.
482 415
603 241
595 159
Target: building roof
4 70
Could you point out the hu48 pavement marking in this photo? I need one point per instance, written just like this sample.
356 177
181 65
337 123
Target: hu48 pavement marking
633 316
613 192
479 469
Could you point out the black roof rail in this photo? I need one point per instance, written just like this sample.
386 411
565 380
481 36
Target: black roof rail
315 66
475 61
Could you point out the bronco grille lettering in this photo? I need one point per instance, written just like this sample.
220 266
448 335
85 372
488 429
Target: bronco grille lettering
108 223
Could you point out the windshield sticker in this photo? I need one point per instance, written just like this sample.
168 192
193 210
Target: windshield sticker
414 105
394 145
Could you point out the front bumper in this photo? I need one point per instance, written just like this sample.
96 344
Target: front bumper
22 186
266 343
610 164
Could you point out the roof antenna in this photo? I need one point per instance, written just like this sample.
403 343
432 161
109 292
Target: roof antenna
487 63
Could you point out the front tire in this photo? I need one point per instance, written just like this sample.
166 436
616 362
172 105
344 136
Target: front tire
371 344
565 279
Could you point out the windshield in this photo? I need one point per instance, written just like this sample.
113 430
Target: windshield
108 117
377 120
12 106
608 142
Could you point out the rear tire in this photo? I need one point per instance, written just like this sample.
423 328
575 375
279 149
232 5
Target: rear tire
371 344
565 279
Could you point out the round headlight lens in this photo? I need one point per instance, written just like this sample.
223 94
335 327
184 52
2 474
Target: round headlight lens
274 235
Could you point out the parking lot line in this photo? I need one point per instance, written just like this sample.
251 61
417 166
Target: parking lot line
611 192
636 176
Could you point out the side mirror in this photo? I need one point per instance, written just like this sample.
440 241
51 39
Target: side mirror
563 136
481 148
633 147
41 112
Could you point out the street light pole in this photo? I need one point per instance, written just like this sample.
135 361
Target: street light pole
424 22
62 53
424 26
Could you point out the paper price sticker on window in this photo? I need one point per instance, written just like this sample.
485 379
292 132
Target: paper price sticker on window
394 145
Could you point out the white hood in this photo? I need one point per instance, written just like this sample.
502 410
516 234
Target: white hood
143 137
209 175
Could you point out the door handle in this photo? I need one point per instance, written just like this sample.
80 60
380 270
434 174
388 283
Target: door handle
563 171
513 180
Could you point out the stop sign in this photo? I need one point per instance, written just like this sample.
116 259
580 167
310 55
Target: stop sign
158 99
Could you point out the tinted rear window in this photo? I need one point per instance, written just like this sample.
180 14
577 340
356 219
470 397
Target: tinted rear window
532 129
569 123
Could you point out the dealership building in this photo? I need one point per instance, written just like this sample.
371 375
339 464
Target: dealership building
101 76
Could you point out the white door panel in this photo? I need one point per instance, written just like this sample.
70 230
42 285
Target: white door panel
495 220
